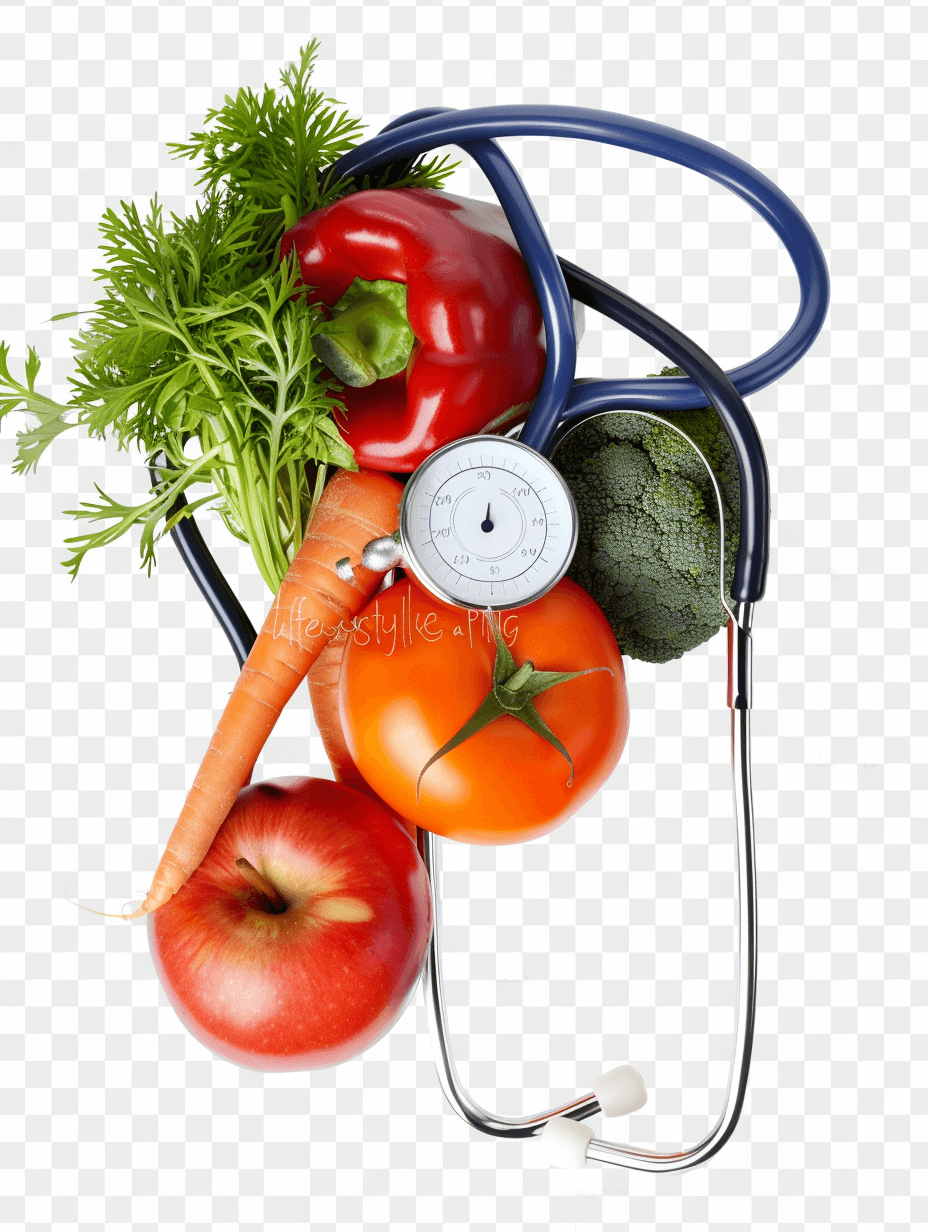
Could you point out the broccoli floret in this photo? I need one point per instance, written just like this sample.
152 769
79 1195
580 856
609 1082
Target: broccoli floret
648 550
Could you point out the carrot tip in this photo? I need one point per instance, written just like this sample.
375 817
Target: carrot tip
138 910
110 915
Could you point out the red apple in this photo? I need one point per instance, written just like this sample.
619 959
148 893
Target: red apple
316 975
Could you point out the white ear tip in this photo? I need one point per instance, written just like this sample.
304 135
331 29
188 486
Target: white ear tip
621 1091
565 1142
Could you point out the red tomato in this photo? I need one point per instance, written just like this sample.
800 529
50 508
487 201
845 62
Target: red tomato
416 670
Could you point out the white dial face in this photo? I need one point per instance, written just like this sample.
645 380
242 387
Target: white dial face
487 522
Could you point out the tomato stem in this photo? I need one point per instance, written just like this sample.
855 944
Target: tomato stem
518 678
276 902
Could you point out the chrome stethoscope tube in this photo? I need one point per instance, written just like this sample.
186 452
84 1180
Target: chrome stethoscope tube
587 1105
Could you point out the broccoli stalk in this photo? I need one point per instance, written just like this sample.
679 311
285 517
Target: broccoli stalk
648 550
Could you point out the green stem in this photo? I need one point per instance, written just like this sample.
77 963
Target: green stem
274 559
239 490
368 337
276 426
518 678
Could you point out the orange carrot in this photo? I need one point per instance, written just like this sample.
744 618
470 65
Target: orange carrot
323 681
355 507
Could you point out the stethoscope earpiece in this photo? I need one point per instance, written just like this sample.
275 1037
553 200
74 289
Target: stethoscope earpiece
567 1143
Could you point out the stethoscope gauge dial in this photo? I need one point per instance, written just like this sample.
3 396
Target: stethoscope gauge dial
487 522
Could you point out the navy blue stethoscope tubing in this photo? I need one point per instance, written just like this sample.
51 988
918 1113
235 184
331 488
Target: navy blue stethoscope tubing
547 280
425 129
558 400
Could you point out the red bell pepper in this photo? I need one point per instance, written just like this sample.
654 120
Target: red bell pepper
474 338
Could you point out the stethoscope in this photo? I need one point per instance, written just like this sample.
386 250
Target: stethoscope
561 404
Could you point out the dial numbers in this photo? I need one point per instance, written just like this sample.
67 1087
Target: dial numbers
487 522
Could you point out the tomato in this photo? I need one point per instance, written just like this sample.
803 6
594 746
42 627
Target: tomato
416 669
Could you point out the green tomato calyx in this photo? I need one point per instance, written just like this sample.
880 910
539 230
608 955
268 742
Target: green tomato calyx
513 692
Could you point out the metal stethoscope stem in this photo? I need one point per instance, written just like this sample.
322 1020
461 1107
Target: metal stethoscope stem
739 690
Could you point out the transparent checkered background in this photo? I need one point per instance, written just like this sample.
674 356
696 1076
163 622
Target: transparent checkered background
612 940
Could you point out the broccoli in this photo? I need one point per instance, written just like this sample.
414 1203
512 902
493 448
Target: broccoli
648 550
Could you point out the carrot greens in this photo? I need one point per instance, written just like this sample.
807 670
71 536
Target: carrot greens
198 353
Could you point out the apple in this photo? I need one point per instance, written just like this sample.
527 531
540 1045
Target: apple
298 941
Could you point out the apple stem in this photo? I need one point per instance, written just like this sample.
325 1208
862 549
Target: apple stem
277 903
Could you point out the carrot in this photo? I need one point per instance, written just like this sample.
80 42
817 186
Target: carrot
355 507
323 681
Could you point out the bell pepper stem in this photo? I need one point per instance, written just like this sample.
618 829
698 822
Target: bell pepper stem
368 337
